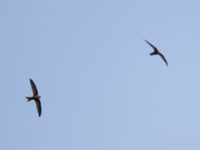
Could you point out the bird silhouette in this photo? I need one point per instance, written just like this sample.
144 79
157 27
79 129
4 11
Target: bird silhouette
156 52
35 97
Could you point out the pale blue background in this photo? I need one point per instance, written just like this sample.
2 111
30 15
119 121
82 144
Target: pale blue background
100 88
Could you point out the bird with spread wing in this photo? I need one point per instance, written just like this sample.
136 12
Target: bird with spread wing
157 52
35 97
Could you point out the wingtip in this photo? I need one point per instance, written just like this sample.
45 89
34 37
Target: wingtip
145 40
39 114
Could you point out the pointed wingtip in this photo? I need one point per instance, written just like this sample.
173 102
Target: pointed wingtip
166 62
31 81
40 113
145 40
149 43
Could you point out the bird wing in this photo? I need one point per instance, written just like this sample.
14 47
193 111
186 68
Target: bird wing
39 108
34 88
162 56
155 49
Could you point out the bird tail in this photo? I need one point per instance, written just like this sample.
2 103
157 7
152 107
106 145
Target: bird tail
153 53
28 98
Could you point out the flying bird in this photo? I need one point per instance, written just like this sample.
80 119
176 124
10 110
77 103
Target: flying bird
35 97
156 52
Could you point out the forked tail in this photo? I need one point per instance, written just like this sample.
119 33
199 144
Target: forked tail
151 54
28 98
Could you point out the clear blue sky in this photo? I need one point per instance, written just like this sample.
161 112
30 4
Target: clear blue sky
100 88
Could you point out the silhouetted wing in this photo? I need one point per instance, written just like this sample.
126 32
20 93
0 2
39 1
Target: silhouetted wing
162 56
155 49
39 108
34 88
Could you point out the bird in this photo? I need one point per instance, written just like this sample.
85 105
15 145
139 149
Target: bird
156 52
35 97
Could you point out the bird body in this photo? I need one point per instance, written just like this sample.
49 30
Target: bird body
35 97
154 53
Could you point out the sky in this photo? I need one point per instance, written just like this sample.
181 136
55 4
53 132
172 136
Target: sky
100 88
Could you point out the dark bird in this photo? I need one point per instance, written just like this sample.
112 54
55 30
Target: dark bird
35 97
157 52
